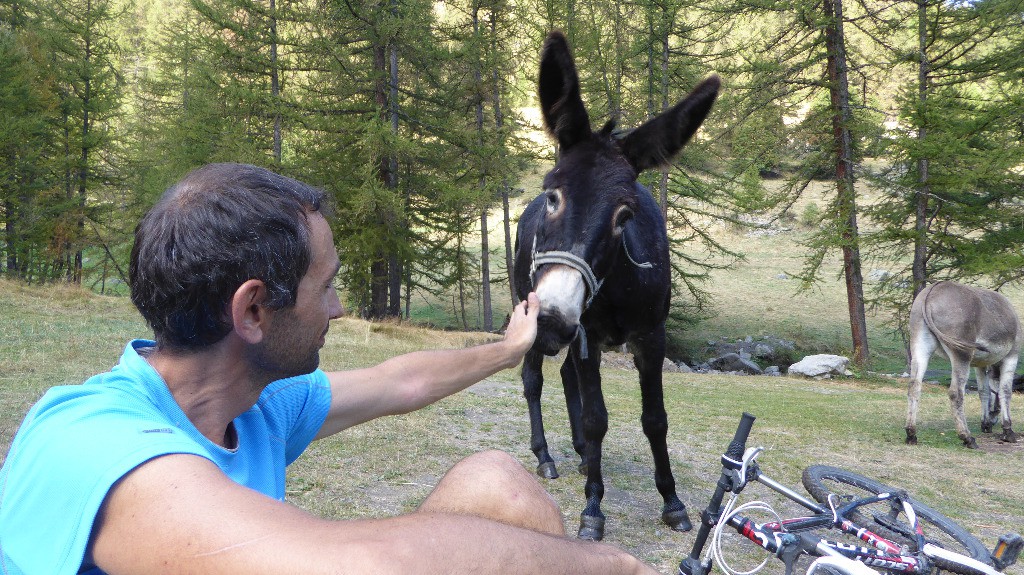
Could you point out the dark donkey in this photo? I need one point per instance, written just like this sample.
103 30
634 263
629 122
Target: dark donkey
594 248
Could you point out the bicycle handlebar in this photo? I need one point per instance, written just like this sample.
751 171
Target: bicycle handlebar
739 442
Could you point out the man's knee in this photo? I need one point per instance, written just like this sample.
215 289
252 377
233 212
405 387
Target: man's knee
494 484
491 458
498 474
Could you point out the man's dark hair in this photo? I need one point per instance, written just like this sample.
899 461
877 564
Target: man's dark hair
221 225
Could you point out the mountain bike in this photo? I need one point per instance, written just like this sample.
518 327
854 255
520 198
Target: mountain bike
893 532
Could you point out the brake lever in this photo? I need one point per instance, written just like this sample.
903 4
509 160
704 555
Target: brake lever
747 470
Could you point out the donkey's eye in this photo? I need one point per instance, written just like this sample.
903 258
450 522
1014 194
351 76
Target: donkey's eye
554 200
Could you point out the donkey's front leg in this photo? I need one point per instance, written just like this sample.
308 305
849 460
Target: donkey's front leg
594 422
533 383
649 357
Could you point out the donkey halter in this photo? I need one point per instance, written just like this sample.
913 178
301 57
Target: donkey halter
569 259
577 263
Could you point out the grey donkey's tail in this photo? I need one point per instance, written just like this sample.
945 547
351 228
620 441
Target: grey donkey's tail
957 344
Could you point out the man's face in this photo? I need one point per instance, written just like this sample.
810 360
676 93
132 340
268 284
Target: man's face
292 342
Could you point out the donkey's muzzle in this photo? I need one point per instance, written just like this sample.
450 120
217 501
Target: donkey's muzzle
554 332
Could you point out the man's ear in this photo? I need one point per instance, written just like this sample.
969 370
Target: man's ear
249 315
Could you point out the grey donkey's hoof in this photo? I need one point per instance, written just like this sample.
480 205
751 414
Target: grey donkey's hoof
548 470
591 528
1008 436
911 437
969 442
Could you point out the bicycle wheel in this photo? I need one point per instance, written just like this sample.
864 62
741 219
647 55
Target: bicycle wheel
890 520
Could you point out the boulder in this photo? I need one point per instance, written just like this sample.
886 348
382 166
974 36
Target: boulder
764 349
820 366
734 362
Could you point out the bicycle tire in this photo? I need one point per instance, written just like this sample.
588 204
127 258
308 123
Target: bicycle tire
822 480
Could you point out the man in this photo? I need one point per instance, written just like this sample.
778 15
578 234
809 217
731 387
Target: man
173 462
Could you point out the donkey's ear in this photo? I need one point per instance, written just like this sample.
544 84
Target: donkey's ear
657 141
559 91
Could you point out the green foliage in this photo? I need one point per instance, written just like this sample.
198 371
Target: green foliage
25 142
64 152
953 192
413 116
811 215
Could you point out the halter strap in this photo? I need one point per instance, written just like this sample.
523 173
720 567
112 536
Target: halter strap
569 259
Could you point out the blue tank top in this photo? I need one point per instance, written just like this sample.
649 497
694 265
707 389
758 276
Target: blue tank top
78 440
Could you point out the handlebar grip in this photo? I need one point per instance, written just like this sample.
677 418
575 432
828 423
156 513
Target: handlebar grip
739 442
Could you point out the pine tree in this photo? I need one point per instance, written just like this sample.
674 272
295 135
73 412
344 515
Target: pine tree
250 68
27 146
952 196
84 53
796 56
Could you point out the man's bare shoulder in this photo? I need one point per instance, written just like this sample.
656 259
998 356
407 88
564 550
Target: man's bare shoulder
180 513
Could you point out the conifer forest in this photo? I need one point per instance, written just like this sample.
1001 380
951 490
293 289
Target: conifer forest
419 120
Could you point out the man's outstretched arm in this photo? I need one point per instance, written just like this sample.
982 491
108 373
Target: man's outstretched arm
180 514
414 380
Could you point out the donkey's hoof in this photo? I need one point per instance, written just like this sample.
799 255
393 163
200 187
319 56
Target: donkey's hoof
911 438
677 519
1008 436
548 470
970 443
986 427
591 528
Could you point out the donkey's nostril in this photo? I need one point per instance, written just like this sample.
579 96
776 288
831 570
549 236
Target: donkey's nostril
554 332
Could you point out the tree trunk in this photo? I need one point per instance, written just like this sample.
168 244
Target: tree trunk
663 186
485 273
275 84
919 269
378 286
499 125
509 260
395 264
379 274
10 232
461 282
75 271
839 93
485 255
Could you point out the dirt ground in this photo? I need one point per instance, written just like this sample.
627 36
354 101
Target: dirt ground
990 443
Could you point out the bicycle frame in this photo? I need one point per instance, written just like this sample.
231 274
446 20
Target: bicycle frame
778 537
782 538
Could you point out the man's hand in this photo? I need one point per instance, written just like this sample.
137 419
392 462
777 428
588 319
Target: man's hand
522 327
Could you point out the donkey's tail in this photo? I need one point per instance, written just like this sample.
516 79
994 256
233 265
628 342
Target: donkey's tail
957 344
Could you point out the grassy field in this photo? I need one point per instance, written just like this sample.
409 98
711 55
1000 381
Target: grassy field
51 336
